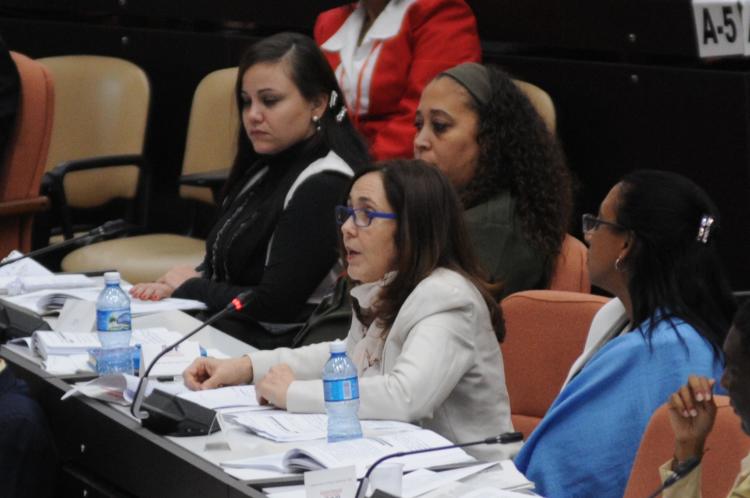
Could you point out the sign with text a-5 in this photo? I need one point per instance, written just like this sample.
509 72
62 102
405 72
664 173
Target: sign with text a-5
720 27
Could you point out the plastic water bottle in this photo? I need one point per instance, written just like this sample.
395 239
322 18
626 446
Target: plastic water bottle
341 389
113 313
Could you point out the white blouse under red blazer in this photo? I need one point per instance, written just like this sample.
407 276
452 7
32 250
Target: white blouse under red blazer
409 43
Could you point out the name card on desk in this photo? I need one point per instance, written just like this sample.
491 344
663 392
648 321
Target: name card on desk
719 28
331 483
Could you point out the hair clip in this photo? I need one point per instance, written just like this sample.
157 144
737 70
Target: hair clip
704 229
341 114
334 98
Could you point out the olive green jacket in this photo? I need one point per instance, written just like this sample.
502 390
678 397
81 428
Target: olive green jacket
501 247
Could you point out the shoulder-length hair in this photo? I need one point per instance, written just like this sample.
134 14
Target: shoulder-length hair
313 77
517 153
670 268
430 234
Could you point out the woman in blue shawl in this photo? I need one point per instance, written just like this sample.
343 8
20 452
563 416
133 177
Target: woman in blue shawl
653 246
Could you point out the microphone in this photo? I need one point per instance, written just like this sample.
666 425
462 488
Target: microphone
681 471
107 229
237 304
504 438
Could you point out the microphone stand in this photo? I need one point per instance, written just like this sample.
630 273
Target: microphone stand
108 228
237 304
681 471
505 438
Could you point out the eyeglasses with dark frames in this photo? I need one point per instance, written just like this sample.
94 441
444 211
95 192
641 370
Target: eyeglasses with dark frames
589 223
362 216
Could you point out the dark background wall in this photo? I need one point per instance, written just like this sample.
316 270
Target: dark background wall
629 88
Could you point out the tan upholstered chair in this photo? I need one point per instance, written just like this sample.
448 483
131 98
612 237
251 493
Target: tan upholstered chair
101 111
210 147
726 446
26 155
545 332
571 272
542 102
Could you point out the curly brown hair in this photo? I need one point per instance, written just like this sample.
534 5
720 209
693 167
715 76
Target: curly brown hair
517 153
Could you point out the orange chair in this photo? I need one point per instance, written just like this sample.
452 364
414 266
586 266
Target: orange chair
545 333
726 446
571 272
26 156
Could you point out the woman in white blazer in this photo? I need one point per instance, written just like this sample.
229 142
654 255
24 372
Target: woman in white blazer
425 331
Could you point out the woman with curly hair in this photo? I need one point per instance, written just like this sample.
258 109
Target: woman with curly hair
478 127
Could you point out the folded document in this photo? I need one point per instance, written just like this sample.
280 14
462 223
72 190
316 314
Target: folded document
282 426
46 342
361 452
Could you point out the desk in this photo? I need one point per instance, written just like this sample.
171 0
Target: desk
105 452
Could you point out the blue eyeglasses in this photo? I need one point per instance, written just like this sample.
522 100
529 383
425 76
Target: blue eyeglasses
362 216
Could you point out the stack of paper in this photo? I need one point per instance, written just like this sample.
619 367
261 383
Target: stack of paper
27 275
361 453
119 388
35 283
47 342
45 302
445 484
282 426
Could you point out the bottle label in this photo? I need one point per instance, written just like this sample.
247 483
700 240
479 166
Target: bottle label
341 389
112 320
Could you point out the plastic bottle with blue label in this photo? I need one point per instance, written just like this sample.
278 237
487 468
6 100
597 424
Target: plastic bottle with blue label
113 313
341 391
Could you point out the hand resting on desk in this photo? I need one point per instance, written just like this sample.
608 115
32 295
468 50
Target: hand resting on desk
164 285
272 388
210 373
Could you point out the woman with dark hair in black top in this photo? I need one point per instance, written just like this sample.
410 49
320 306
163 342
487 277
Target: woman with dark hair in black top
276 233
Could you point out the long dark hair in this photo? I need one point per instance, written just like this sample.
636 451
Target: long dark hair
741 324
668 269
313 76
431 234
517 153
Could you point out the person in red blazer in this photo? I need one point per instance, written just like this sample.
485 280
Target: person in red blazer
385 52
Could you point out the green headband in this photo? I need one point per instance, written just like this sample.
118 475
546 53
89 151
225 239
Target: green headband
475 78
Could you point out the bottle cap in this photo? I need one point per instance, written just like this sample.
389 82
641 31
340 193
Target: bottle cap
112 277
338 346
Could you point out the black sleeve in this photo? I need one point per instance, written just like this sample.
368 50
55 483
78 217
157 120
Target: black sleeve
303 250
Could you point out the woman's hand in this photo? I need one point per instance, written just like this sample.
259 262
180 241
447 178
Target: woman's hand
273 387
210 373
153 291
177 276
692 411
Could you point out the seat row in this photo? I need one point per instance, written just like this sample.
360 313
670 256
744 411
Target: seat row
98 119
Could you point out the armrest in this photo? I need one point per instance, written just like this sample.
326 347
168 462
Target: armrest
53 181
24 206
211 179
66 167
214 180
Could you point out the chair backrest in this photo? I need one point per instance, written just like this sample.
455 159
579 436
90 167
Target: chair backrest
571 272
726 446
542 102
545 332
26 152
101 109
212 130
